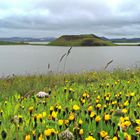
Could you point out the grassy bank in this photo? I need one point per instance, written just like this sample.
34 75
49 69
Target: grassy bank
98 105
12 43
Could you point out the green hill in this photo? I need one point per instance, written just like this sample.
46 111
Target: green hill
80 40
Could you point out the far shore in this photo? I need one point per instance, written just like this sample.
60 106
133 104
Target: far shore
2 43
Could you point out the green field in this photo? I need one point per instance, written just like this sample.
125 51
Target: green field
93 105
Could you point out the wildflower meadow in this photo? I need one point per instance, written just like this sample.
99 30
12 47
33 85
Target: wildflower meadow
87 106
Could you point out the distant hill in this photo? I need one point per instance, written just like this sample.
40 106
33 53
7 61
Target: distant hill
80 40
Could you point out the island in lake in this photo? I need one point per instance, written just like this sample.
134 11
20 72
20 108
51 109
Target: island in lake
80 40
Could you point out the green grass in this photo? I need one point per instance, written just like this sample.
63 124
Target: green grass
112 90
80 40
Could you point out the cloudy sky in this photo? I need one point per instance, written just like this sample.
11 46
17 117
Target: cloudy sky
43 18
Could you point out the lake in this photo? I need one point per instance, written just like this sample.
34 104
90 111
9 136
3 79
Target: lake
27 59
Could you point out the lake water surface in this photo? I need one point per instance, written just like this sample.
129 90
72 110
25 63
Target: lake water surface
35 59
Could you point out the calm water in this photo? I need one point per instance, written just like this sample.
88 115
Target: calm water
35 59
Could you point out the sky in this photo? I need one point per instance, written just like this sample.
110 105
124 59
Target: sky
53 18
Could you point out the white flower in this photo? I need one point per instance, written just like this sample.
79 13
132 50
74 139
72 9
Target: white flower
42 94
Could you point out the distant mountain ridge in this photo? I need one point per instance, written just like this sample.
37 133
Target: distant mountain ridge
43 39
123 40
80 40
27 39
126 40
68 37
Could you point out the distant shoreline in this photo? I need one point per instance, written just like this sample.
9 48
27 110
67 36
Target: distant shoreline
13 43
6 43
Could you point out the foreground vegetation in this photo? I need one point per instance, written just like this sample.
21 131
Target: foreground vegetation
94 105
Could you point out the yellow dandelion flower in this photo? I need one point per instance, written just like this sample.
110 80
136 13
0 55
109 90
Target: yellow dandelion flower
66 122
107 117
49 132
59 107
27 137
97 101
115 138
98 118
31 109
124 111
71 89
81 131
60 122
34 132
98 97
90 108
122 119
126 118
122 125
107 98
83 101
90 138
127 123
137 129
54 114
138 121
5 102
107 84
41 137
112 110
1 112
132 94
66 81
71 116
92 114
116 82
44 114
88 96
80 122
76 107
39 116
84 94
51 108
103 134
99 106
114 102
126 103
127 136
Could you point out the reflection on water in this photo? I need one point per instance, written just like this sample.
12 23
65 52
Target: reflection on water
35 59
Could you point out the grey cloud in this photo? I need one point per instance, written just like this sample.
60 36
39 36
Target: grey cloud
53 17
